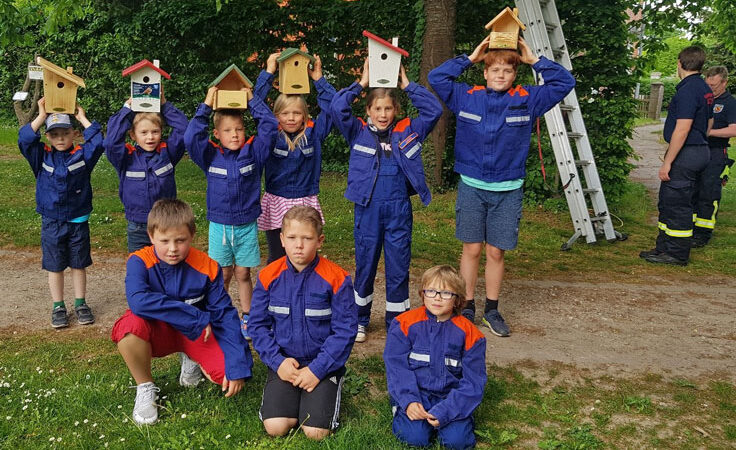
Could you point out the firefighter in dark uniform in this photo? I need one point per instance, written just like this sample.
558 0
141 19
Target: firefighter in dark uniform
708 197
689 117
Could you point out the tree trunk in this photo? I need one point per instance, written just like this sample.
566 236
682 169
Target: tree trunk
26 110
437 47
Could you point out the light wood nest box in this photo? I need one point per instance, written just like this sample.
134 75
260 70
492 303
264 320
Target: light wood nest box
293 74
145 85
229 94
59 87
505 29
384 61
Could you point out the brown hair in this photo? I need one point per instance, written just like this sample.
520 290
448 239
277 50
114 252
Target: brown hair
502 56
285 100
153 117
692 58
304 214
449 279
376 93
220 113
721 71
170 213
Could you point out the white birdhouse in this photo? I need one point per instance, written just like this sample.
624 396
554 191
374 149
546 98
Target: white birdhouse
384 61
145 85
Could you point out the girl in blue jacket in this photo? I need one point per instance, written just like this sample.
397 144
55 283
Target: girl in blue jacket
146 170
294 162
385 170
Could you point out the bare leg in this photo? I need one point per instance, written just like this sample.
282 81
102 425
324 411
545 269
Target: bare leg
316 434
137 356
79 281
227 275
494 271
279 426
245 287
469 263
56 285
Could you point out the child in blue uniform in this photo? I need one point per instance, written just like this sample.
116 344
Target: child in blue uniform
435 365
494 126
178 303
233 169
385 170
146 170
294 164
303 322
64 200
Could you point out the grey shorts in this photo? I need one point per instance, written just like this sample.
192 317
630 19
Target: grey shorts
488 216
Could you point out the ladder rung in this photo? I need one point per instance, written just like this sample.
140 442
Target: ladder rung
591 191
599 218
574 134
550 26
582 162
567 107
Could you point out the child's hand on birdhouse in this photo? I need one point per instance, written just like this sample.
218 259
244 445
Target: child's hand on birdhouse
42 114
81 116
209 100
480 51
272 63
163 98
364 77
527 56
316 71
248 93
404 79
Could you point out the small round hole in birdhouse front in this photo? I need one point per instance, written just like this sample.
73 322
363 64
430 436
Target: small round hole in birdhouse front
296 63
60 84
146 79
384 56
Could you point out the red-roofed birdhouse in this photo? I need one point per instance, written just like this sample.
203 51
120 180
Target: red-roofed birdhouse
293 74
59 87
145 85
229 93
505 29
384 61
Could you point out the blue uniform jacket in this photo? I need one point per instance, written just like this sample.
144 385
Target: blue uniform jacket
494 128
406 138
310 315
724 114
295 174
693 100
188 296
426 358
144 178
63 188
233 177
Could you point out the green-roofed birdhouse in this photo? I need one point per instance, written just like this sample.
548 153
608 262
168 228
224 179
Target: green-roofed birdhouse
59 87
505 29
229 89
293 74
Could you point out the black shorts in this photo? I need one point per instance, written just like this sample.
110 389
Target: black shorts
319 408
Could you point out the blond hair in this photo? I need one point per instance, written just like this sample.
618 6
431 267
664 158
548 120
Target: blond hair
447 278
304 214
282 102
220 113
169 213
154 118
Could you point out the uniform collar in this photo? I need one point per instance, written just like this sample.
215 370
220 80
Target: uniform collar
310 267
688 79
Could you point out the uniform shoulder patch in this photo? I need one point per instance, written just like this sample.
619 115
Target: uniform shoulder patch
331 273
472 333
519 89
409 318
147 255
199 261
402 125
271 272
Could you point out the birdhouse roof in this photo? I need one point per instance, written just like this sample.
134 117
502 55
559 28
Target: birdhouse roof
140 65
51 67
289 52
370 35
507 12
238 74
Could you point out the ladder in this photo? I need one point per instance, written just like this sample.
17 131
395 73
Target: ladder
544 35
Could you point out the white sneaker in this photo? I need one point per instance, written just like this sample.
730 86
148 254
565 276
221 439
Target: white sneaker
145 410
190 374
361 336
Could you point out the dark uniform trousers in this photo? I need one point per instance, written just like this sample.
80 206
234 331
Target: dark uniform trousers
708 194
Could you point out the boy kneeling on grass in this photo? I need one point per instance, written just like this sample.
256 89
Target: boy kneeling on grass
303 323
178 303
435 365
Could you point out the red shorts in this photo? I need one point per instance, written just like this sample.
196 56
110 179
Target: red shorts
165 340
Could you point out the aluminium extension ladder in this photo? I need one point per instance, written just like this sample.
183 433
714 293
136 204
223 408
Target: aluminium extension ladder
544 35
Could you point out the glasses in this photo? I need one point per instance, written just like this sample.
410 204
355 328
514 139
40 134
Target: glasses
444 295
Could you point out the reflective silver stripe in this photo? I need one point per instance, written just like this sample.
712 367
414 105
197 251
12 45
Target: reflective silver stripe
398 307
364 149
470 116
279 309
308 150
246 169
419 357
412 150
517 119
453 362
281 152
132 174
47 168
318 312
217 170
362 301
164 169
191 301
76 165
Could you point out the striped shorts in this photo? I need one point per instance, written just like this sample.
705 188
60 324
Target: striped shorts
274 207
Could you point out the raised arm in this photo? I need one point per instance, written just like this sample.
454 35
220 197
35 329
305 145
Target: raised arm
267 129
92 147
442 78
264 82
178 122
117 129
325 94
196 136
429 108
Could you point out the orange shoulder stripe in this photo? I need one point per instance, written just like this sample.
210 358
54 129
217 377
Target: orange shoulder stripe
476 88
362 121
75 149
310 123
472 333
147 255
271 272
199 261
331 273
409 318
519 89
130 148
46 147
250 140
402 124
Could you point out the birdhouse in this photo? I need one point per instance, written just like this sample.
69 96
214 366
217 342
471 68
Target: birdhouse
293 74
145 85
505 29
229 85
384 61
59 87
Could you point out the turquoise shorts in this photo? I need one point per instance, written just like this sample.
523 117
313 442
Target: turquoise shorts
234 244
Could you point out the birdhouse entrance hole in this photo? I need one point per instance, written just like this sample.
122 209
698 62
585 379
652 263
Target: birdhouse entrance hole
146 79
60 85
384 56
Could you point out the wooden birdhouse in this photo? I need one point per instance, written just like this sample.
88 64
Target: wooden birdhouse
229 85
293 74
145 85
59 87
505 29
384 61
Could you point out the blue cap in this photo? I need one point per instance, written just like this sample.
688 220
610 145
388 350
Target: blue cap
58 120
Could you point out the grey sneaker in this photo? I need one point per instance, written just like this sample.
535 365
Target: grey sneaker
84 314
361 336
190 374
493 320
145 411
59 318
